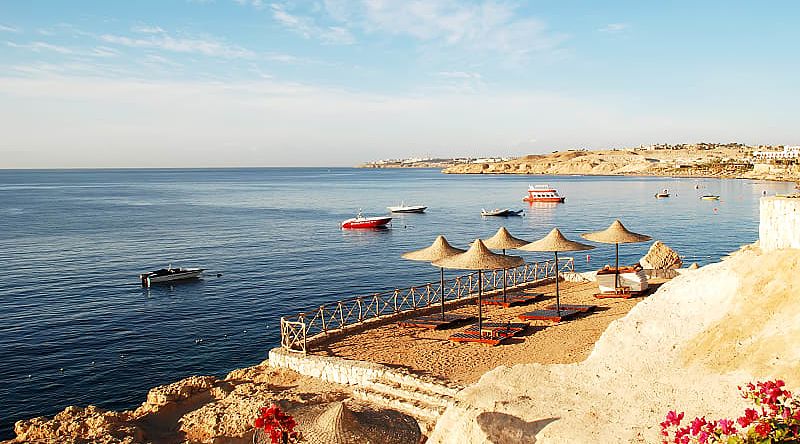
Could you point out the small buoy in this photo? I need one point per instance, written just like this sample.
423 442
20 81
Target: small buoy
588 257
30 376
244 331
122 356
219 274
61 369
92 362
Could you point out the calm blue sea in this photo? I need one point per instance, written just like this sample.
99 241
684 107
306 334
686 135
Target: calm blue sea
77 327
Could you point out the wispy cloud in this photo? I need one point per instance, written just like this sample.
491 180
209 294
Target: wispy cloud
258 4
308 27
458 75
614 27
164 41
5 28
41 47
486 25
147 29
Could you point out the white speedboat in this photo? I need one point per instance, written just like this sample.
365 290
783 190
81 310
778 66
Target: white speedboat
709 197
504 212
169 274
403 208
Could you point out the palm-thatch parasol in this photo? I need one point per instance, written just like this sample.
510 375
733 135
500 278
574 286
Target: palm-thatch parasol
440 249
503 240
555 242
616 234
335 423
479 258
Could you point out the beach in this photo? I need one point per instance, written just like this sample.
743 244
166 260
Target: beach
429 352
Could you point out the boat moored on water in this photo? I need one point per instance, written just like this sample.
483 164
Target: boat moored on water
543 193
361 221
709 197
661 194
403 208
169 274
504 212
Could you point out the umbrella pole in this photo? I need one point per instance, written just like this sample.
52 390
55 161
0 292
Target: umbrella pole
504 280
616 269
480 310
558 300
441 290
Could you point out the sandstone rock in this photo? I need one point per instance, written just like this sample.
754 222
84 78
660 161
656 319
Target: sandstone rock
81 425
660 256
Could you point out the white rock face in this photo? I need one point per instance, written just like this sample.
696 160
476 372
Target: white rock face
686 347
779 226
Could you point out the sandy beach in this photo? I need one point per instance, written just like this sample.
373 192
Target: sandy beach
429 352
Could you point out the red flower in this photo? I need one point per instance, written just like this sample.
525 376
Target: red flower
749 417
763 429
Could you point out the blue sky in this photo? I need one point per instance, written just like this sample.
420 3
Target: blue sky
338 82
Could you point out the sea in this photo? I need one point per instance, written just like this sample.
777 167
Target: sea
77 328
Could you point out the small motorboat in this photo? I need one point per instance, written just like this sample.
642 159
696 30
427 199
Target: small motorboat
361 221
664 193
403 208
169 274
709 197
543 193
505 212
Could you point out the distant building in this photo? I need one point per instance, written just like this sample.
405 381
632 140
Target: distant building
789 152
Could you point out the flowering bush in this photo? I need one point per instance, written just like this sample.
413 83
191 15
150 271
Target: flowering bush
776 419
278 425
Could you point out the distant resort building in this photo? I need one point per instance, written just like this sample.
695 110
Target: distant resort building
789 152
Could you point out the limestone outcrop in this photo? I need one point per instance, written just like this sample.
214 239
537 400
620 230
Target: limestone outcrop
660 257
687 347
198 409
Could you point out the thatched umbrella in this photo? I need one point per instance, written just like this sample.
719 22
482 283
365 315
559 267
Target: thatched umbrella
336 423
503 240
479 258
555 242
616 234
440 249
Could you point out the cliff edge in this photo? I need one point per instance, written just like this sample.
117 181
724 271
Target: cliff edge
686 347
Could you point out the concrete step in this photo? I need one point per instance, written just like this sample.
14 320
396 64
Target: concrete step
417 409
434 400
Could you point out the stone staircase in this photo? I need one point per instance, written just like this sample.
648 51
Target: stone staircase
418 399
421 397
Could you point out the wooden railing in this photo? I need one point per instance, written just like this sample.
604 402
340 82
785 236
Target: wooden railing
299 329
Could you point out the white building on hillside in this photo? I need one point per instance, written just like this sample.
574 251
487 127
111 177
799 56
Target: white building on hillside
789 152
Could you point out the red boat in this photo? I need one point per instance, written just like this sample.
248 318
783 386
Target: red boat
360 221
543 193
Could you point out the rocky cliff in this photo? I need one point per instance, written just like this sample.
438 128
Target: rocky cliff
686 347
719 162
198 409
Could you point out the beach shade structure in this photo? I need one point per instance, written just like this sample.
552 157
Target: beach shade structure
616 234
503 240
335 423
555 242
440 249
479 258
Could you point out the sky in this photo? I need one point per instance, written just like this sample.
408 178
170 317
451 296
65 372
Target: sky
225 83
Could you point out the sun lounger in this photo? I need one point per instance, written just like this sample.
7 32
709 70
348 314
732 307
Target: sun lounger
512 299
580 308
505 329
549 315
435 321
475 337
619 292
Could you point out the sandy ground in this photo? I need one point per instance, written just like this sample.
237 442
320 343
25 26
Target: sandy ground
429 352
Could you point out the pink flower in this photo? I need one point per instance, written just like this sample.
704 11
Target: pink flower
726 427
697 425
